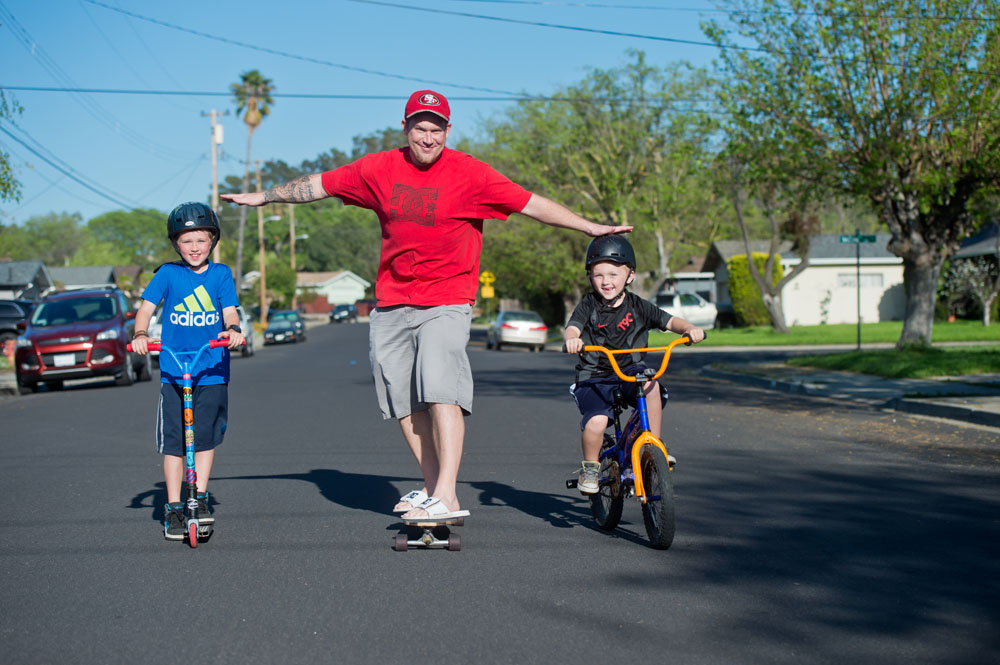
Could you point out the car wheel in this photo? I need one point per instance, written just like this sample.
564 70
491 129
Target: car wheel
27 388
145 370
126 376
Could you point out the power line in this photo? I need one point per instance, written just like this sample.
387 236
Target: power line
294 56
709 10
92 107
541 24
70 173
393 98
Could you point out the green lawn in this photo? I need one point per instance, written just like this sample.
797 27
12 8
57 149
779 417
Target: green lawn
937 361
846 333
909 364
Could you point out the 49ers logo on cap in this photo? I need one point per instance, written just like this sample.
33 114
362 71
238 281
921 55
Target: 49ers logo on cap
427 101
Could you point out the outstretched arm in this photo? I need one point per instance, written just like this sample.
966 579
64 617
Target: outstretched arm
549 212
301 190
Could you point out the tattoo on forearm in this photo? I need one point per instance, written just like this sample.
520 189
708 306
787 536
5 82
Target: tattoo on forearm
299 190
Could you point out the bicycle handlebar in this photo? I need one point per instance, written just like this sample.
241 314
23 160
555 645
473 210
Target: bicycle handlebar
155 346
611 353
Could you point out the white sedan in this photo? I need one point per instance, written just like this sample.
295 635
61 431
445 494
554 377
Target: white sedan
690 307
522 328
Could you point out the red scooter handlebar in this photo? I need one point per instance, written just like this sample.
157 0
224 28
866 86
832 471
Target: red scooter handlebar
212 344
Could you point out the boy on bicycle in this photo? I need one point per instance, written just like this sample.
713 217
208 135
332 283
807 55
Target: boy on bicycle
199 303
612 317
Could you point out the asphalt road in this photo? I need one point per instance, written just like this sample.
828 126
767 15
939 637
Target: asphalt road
808 531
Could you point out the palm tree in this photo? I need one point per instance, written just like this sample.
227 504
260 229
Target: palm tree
252 93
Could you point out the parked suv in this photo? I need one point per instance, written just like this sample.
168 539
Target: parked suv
78 334
12 312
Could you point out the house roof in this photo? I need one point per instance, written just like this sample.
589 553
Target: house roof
83 275
307 279
22 273
982 243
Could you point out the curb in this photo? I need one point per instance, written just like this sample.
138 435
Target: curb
924 407
942 410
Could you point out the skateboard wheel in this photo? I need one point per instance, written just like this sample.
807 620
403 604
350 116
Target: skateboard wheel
454 542
460 521
401 543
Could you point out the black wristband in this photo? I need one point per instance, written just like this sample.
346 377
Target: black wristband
139 333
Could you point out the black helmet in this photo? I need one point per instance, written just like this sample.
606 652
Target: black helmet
613 248
192 216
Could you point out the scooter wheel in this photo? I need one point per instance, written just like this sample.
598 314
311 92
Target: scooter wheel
193 534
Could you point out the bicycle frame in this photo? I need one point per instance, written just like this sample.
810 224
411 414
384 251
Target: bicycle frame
644 437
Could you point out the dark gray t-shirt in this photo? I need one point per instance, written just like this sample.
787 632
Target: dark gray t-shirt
624 327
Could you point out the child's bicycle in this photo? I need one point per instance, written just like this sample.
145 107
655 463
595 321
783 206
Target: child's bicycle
634 462
192 527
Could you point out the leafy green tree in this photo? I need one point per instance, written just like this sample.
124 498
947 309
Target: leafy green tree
10 188
253 95
122 237
53 239
891 102
626 146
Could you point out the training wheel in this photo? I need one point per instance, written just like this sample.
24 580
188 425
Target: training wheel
193 534
401 543
454 542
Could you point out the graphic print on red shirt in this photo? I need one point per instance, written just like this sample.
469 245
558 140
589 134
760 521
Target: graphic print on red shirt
413 204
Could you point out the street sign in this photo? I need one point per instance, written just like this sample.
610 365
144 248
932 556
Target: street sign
486 278
856 238
487 292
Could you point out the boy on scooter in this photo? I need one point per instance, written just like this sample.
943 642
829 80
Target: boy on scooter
199 303
612 317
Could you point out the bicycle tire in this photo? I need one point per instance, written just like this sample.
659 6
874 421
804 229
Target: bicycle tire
606 505
658 510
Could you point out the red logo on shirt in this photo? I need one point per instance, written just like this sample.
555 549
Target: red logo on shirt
626 322
413 204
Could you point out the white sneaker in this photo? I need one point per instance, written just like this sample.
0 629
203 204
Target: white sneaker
587 479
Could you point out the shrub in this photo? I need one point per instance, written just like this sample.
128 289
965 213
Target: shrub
748 305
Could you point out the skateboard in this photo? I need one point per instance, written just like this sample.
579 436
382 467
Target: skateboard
436 535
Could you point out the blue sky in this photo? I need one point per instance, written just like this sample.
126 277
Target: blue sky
154 150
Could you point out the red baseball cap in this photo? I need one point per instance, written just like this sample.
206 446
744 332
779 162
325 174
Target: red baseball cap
427 101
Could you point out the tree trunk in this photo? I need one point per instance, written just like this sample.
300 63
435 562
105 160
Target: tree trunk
987 306
772 302
920 279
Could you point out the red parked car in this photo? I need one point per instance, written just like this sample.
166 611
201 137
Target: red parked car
78 334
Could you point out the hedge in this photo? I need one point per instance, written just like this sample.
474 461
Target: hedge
748 305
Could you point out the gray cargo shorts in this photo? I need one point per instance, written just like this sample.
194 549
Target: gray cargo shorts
418 358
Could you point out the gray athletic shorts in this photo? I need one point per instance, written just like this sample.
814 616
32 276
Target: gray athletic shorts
418 357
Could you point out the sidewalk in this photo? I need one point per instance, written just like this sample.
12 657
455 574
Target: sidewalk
969 399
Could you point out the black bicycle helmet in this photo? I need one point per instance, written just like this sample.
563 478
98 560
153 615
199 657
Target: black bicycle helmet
192 216
613 248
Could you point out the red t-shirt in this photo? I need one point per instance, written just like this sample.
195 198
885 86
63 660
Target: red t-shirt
432 221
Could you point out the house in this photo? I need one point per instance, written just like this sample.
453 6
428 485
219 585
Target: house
320 291
83 277
827 291
692 278
985 242
27 280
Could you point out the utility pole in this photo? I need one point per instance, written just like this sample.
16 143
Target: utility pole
291 234
263 268
216 141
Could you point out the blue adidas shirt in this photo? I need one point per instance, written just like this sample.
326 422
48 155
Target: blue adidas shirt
191 316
